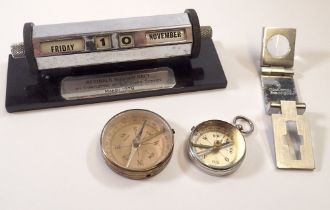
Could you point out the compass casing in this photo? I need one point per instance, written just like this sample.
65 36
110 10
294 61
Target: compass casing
228 130
160 145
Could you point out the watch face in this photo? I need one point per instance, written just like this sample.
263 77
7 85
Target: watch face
137 140
217 145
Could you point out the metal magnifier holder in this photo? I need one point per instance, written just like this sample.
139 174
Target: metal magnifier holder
292 135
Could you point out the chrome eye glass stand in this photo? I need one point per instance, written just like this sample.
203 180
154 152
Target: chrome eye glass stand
292 135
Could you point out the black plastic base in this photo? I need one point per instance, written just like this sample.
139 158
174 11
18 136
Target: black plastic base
26 91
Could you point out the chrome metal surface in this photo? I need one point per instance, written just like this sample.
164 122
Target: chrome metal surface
240 126
112 41
217 147
112 25
275 107
113 56
92 86
270 33
281 100
121 39
277 88
136 30
282 140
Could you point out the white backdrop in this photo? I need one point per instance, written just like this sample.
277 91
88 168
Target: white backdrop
50 159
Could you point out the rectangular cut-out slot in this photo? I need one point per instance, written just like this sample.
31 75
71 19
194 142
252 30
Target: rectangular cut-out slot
293 140
293 145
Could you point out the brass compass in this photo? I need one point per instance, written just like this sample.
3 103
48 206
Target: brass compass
137 143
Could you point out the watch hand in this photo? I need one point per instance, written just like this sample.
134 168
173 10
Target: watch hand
152 136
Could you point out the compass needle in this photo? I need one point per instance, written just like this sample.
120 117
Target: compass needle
205 152
148 138
135 144
201 145
131 155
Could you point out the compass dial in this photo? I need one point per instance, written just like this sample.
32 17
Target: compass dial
216 146
223 156
137 143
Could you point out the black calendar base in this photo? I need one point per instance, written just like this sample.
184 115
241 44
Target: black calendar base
28 91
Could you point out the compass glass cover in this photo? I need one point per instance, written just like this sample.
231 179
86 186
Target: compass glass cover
217 144
137 140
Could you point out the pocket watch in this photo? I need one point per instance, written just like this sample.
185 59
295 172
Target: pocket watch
137 143
218 147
